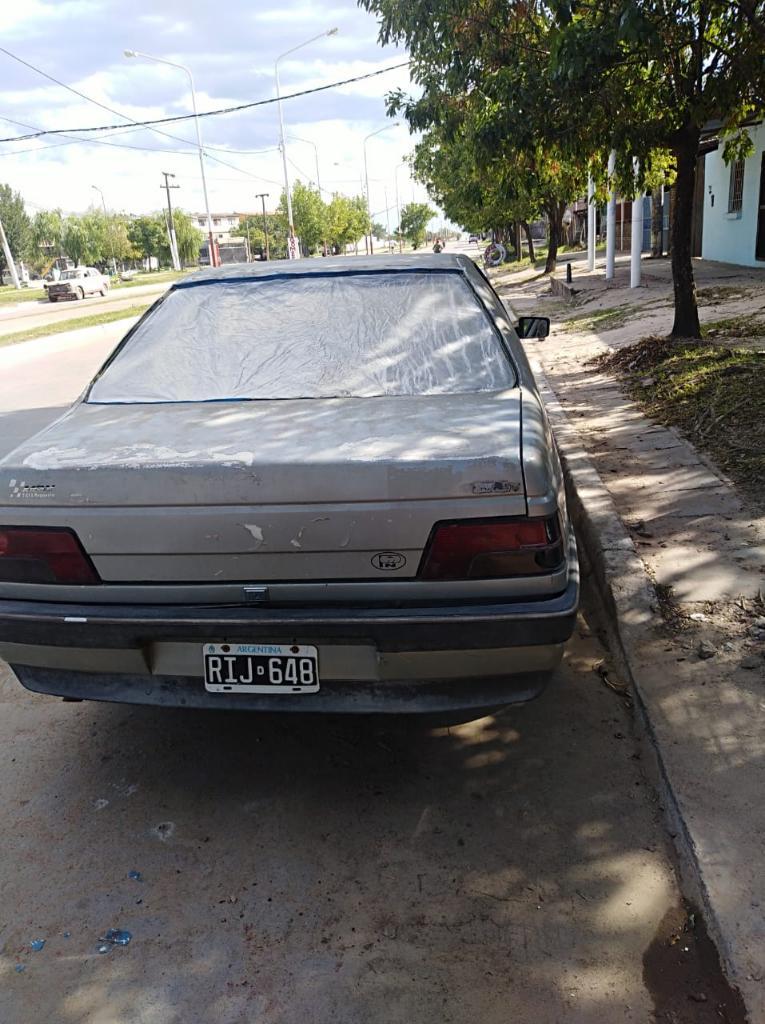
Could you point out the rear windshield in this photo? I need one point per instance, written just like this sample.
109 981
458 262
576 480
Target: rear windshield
312 336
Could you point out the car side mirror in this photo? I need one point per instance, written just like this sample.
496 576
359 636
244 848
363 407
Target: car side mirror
533 327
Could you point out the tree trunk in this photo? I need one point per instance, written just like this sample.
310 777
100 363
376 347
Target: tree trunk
686 323
527 230
555 211
657 223
552 248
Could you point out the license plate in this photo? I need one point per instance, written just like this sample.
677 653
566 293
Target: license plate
261 668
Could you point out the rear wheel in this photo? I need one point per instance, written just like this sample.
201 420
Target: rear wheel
104 292
53 298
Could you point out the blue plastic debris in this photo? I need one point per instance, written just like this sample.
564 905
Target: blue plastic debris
67 935
37 944
135 875
20 968
117 937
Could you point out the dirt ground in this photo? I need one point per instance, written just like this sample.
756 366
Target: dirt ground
512 869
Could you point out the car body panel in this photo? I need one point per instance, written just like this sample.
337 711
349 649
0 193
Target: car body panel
295 521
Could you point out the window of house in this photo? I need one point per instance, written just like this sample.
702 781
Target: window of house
736 190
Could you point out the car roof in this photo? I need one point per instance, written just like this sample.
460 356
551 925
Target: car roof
333 265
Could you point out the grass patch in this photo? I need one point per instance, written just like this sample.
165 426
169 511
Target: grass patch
745 326
601 319
715 395
9 294
160 277
73 324
721 293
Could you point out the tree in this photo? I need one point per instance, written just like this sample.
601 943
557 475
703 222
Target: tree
308 215
189 238
346 220
252 227
414 222
378 229
74 240
578 79
481 71
46 230
18 228
147 235
656 73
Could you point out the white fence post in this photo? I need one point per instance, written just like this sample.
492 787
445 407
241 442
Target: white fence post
590 224
611 218
636 240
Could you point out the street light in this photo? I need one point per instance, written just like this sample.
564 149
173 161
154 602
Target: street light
385 128
296 138
182 67
111 238
282 140
398 206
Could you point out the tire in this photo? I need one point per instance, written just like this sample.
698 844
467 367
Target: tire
79 294
53 298
104 292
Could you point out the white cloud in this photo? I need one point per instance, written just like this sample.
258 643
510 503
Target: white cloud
232 65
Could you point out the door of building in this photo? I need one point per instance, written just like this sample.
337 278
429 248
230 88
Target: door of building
759 248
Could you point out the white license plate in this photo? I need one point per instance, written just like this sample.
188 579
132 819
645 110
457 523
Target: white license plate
261 668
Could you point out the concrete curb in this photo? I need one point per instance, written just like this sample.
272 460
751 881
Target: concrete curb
628 602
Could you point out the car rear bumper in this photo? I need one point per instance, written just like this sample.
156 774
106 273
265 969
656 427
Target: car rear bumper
435 658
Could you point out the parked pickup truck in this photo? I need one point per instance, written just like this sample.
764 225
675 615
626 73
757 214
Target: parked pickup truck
77 283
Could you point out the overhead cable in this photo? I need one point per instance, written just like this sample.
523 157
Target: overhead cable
151 123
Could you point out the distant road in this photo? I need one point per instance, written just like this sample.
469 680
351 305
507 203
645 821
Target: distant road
39 379
23 315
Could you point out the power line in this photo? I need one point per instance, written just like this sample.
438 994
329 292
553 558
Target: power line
82 95
184 117
128 130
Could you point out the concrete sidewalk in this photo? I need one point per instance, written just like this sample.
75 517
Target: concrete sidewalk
678 557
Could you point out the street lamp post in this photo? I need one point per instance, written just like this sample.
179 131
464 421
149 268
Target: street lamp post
262 196
291 253
385 128
182 67
398 208
295 138
111 237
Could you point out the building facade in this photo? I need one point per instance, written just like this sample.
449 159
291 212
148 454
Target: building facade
734 206
223 224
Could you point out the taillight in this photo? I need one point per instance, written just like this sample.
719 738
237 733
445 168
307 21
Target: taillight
38 555
491 548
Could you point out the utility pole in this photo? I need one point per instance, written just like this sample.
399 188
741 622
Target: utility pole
262 196
9 257
249 246
171 226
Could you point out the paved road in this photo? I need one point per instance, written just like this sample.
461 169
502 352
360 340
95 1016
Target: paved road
27 315
512 869
508 870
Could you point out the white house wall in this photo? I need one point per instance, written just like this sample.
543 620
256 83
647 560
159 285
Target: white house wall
730 237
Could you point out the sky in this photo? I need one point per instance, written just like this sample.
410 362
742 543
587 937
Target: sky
231 48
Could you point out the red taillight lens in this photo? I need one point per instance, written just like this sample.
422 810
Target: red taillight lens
491 548
33 555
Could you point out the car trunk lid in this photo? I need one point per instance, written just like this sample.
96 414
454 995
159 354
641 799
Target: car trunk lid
269 490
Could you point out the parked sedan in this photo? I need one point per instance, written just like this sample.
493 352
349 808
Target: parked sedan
77 283
304 486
